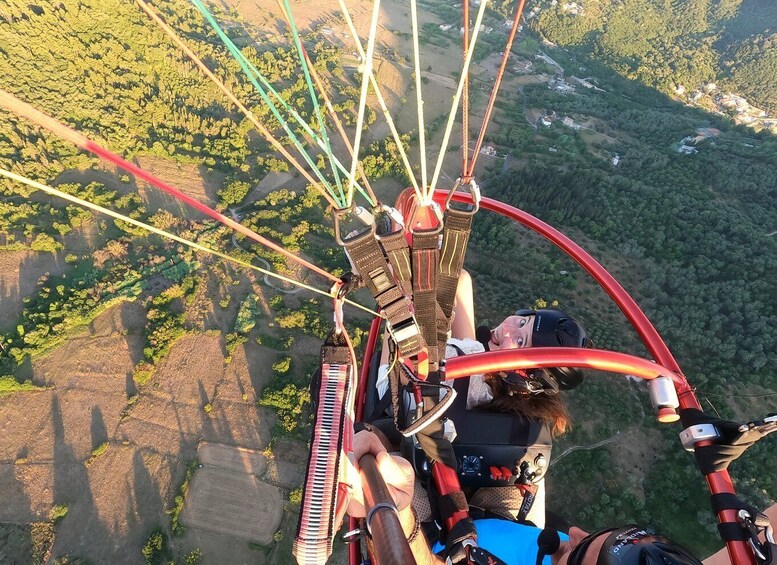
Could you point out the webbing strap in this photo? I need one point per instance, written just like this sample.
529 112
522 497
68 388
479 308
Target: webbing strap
316 527
455 236
398 253
732 532
425 258
368 259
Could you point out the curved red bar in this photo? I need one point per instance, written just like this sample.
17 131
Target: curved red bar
537 357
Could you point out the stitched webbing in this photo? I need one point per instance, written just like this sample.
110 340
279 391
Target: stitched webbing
316 527
455 237
368 259
398 253
425 258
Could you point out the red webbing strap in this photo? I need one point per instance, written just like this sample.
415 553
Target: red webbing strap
426 256
367 257
316 527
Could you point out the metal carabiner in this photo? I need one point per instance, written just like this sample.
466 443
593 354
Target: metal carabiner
747 521
383 211
474 192
435 209
364 216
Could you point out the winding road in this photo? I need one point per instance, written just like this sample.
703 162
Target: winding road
583 448
265 264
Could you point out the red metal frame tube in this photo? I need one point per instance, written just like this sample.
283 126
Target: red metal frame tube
447 482
538 357
364 375
354 549
649 335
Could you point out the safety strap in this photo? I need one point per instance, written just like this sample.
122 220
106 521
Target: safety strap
426 256
367 257
529 493
455 236
398 252
316 527
750 524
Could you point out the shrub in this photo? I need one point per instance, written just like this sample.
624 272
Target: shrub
58 512
9 385
97 452
295 496
282 366
175 512
143 373
155 550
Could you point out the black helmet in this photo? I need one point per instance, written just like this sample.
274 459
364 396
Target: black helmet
552 328
632 545
555 328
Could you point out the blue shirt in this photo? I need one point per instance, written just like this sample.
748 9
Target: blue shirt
513 543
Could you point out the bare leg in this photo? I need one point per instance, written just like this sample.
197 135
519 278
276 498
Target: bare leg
463 325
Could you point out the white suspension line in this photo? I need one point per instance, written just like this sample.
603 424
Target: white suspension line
366 72
456 98
86 204
419 96
381 101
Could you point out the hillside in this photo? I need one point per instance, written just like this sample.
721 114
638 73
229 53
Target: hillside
139 358
665 45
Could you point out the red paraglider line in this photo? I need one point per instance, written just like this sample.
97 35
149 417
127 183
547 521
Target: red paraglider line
196 204
13 104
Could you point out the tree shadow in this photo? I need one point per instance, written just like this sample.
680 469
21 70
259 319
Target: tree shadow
99 432
147 496
134 327
72 487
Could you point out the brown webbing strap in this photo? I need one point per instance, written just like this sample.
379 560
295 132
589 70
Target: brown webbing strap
425 258
398 253
455 236
316 527
367 256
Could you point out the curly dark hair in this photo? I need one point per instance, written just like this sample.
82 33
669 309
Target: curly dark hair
547 408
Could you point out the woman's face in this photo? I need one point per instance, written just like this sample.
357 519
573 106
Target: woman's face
515 332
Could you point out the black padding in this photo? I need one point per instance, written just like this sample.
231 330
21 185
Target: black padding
371 396
730 531
729 501
729 446
449 504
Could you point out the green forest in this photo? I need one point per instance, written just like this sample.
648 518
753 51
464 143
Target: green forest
687 235
664 44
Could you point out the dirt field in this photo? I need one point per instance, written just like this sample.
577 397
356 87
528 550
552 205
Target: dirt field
20 271
115 500
199 182
233 503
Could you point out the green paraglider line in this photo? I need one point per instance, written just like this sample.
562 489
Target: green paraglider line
241 60
312 91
